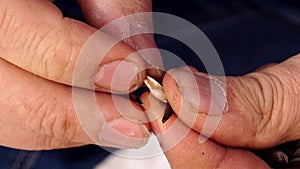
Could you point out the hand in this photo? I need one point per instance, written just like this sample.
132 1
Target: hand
182 149
101 12
39 49
262 107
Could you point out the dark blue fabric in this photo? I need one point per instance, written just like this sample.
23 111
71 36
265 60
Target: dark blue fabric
75 158
246 34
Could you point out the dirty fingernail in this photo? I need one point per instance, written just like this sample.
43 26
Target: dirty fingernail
118 76
201 93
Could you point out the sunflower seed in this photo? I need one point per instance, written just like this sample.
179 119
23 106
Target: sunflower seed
156 89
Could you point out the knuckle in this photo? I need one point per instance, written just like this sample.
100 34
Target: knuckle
247 97
60 64
64 127
286 98
275 100
263 94
52 53
52 119
241 95
59 59
61 125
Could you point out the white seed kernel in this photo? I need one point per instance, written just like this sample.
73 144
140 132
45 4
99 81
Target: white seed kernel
156 89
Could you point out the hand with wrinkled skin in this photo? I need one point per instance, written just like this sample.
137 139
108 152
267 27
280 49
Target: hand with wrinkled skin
39 49
262 107
101 12
262 111
182 149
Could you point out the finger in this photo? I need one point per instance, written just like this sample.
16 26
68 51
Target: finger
57 48
137 28
100 12
256 111
48 108
14 137
181 146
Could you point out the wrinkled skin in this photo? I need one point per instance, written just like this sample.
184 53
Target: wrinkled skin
261 106
39 49
262 112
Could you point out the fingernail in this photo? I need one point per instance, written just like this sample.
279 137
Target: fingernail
122 133
201 93
118 76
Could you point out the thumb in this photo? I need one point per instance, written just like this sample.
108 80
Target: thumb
101 12
181 147
137 26
261 108
57 48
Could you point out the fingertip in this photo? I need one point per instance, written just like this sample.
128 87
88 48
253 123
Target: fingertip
124 134
121 70
118 77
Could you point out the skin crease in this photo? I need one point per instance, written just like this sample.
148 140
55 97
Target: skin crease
262 106
35 104
50 45
40 113
188 153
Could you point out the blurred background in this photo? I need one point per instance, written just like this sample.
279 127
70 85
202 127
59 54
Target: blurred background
247 34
